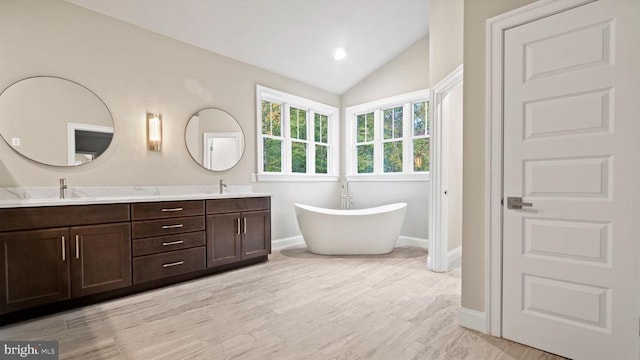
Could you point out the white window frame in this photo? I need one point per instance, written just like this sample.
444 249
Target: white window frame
377 107
264 93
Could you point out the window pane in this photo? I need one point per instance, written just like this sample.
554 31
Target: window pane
322 159
365 158
271 118
298 120
392 123
420 118
365 127
321 123
298 157
393 156
387 124
421 155
272 155
370 127
397 122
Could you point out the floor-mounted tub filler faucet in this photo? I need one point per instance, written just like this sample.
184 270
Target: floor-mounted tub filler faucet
222 185
63 188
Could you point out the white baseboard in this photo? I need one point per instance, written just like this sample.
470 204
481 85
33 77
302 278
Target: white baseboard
454 255
412 241
286 242
472 319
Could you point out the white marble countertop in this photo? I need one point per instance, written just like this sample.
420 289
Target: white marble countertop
121 199
89 195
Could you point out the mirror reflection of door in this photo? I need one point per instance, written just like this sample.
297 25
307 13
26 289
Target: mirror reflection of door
86 142
222 150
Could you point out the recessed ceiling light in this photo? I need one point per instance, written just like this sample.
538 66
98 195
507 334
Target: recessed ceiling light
339 54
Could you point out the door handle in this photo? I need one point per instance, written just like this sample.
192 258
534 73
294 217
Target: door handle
514 202
77 246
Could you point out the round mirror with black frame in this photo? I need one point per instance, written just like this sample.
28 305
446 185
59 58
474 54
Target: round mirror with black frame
54 121
214 139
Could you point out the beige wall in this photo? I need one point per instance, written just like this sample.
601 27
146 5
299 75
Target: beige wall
133 71
407 72
473 233
445 37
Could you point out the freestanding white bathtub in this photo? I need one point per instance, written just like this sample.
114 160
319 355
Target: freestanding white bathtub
351 232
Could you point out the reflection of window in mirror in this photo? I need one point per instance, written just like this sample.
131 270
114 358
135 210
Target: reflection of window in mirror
86 142
222 150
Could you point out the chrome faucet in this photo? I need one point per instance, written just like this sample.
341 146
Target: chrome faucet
222 185
63 188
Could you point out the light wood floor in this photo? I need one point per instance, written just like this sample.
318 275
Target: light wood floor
296 306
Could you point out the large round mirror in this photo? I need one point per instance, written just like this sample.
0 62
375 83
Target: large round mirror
54 121
214 139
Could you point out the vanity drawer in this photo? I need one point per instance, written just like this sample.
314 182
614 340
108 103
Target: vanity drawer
235 205
140 229
154 245
60 216
158 266
166 209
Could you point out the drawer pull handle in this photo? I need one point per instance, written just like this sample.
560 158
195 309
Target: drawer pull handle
77 246
64 250
177 226
172 243
172 209
172 264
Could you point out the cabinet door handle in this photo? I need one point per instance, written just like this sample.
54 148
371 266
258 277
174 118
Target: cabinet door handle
172 209
64 250
172 264
77 246
172 243
245 224
238 226
177 226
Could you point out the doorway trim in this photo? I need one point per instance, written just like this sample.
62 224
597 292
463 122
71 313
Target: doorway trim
438 258
207 136
496 27
71 137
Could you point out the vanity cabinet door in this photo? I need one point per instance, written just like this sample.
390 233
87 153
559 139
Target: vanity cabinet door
223 239
256 234
34 268
100 258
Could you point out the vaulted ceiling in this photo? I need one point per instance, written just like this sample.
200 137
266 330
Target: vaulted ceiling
294 38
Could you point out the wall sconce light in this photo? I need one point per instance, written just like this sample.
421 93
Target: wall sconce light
154 131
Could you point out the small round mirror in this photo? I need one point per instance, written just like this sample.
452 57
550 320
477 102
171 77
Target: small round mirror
214 139
54 121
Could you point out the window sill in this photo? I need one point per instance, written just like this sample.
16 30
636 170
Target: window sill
293 178
389 177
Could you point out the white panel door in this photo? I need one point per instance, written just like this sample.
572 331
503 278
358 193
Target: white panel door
571 148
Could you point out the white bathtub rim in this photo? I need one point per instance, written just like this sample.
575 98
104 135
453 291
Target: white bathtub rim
354 212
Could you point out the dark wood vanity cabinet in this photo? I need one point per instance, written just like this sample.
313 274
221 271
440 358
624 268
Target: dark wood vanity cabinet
44 265
237 229
55 253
